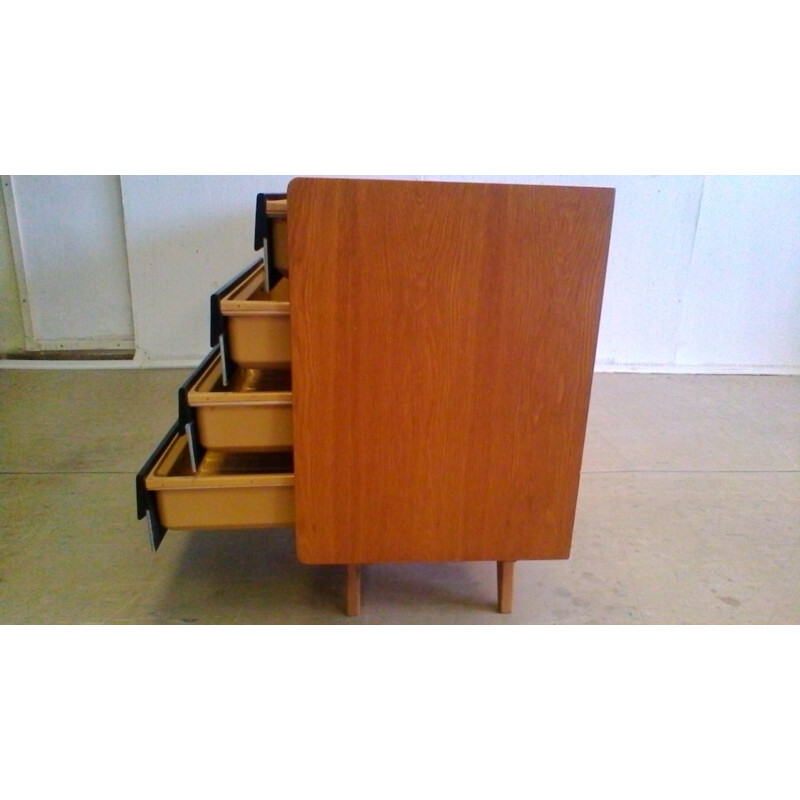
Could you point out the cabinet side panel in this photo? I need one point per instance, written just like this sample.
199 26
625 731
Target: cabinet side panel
443 340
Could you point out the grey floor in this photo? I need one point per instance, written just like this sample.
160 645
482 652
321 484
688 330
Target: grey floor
689 512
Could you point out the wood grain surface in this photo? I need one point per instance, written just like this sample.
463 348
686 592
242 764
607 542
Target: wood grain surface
443 346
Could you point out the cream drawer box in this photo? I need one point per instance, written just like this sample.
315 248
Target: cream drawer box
227 492
252 414
250 323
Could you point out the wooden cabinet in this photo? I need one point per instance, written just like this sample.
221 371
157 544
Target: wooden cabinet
442 345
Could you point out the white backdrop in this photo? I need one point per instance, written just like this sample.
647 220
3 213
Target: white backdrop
70 241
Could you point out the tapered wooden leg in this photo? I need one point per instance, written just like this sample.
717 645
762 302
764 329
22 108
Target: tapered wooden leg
353 590
505 586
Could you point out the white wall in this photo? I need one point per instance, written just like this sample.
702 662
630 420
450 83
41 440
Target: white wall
742 298
71 244
704 273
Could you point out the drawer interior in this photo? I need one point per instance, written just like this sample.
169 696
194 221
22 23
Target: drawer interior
252 296
274 469
219 470
269 386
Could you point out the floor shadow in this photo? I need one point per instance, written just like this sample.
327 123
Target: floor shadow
462 585
254 577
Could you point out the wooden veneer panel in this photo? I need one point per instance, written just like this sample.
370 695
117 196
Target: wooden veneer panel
443 346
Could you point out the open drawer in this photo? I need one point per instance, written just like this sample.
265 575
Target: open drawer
272 234
251 323
252 414
228 491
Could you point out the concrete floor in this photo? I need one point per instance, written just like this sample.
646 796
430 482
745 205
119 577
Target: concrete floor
689 512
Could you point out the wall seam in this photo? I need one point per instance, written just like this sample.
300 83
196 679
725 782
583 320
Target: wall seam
679 333
31 344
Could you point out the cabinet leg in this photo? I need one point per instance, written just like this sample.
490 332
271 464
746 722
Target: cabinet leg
353 590
505 586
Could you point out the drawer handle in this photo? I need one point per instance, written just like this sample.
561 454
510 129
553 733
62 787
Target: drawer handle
145 501
217 321
186 414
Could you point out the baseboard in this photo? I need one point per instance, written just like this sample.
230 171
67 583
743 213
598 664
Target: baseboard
128 361
71 355
108 363
671 369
